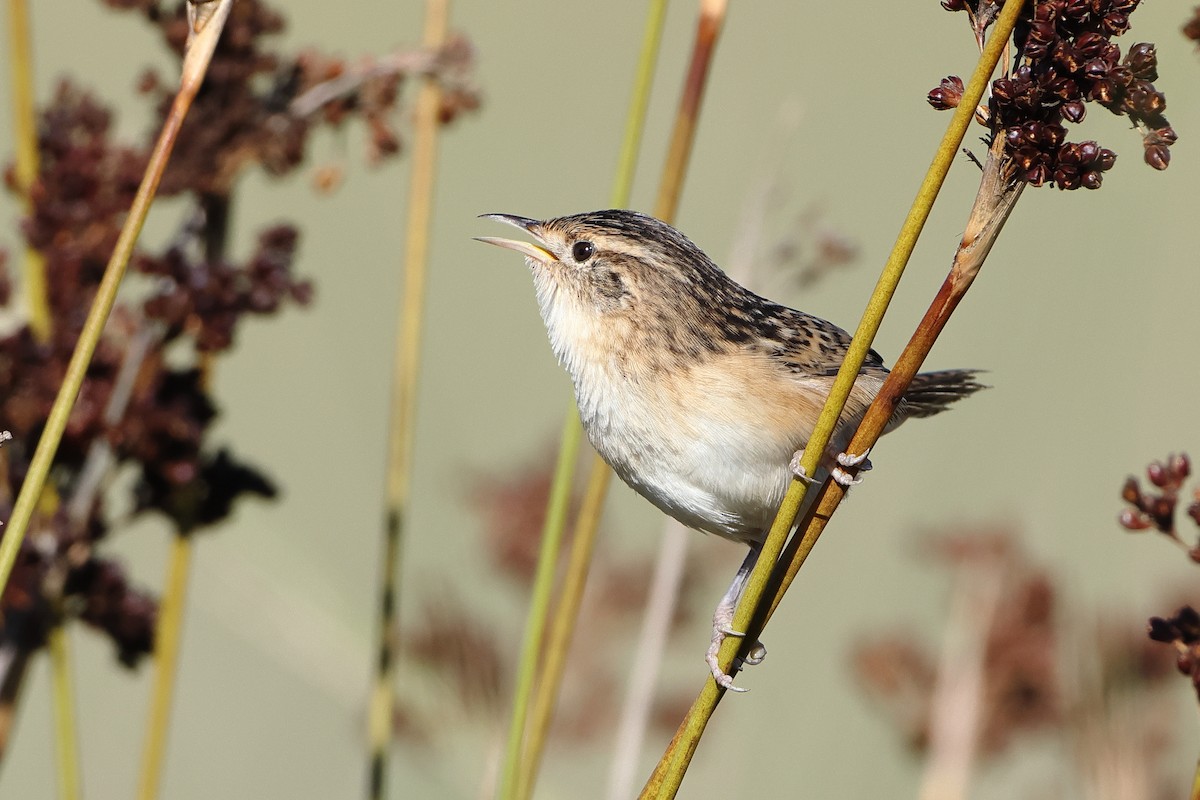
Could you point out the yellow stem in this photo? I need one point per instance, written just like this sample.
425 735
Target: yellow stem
167 637
66 734
668 776
26 167
406 369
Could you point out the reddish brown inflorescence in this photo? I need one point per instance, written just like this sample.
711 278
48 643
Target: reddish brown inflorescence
1066 59
152 413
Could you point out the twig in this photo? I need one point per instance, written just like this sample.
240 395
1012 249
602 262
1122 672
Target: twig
194 66
166 659
958 701
407 62
402 425
660 610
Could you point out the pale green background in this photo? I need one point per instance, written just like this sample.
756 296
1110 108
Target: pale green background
1085 317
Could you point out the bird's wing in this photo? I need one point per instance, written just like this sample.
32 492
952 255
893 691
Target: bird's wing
808 345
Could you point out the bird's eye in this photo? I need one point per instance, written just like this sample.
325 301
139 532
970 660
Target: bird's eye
582 251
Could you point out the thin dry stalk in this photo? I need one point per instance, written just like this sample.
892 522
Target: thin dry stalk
958 696
64 714
166 659
195 63
406 369
34 285
998 194
647 661
206 23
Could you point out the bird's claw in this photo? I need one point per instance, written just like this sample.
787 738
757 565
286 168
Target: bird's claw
844 478
797 469
753 658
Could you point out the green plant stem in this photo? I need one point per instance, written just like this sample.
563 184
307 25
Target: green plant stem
26 167
668 776
66 736
539 604
402 426
195 63
562 629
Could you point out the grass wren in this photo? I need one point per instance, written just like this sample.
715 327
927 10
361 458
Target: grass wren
699 394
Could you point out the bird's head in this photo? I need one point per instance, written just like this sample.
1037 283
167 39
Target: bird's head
606 263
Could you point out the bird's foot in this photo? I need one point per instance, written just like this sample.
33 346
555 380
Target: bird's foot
798 469
722 630
843 477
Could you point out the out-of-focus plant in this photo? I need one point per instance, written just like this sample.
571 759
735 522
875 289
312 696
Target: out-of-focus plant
145 406
1017 663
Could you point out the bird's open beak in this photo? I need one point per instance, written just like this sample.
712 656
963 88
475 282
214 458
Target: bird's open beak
527 249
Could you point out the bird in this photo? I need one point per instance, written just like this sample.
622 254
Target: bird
698 393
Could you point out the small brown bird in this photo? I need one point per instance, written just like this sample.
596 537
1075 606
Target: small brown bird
700 394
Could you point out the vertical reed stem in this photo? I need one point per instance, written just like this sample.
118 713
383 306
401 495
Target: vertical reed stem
406 370
26 168
66 740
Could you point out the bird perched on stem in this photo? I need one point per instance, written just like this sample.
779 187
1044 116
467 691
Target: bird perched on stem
700 394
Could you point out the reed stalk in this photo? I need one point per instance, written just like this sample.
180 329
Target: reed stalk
65 738
39 321
25 169
402 425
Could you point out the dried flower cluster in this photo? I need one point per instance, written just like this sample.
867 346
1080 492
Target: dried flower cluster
1183 632
1066 59
1021 689
1155 510
258 107
1108 684
143 407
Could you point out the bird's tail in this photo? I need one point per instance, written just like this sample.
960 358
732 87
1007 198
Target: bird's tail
932 392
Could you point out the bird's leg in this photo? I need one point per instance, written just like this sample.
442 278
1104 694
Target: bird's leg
723 619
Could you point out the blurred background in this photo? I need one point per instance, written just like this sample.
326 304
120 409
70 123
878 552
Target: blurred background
815 132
